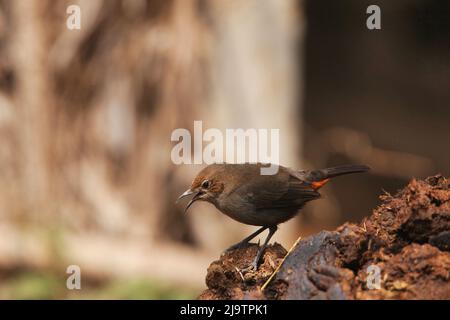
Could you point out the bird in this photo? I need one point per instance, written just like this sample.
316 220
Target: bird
242 193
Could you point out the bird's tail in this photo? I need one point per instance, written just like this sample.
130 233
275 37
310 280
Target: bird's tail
319 177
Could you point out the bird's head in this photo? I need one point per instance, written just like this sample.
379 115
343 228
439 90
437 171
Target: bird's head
208 185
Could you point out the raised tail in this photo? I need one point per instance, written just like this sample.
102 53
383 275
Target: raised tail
318 178
340 170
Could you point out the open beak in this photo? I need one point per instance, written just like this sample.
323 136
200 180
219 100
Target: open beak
188 193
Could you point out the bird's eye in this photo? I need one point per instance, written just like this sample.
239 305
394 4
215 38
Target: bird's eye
205 184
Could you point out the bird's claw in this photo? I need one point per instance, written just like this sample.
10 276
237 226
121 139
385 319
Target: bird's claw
253 267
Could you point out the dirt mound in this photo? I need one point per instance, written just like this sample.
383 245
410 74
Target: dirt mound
400 252
225 279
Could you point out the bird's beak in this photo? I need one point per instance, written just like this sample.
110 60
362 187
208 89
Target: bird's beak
188 193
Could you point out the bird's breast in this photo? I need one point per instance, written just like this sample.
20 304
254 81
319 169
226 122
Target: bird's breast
248 214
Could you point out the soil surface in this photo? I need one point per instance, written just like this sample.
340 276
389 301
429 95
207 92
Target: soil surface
406 241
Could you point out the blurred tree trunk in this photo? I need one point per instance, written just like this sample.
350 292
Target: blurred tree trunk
256 83
29 53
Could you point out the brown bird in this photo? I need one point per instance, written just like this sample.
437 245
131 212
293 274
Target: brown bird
243 194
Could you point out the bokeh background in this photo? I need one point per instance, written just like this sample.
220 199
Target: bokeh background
86 118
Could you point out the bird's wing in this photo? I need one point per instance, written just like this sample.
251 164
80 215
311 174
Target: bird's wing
296 195
280 191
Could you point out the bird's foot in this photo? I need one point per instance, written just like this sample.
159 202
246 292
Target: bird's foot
252 267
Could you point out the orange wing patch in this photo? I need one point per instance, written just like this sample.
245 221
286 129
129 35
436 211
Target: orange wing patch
319 184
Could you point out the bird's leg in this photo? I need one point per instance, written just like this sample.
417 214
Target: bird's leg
246 240
254 265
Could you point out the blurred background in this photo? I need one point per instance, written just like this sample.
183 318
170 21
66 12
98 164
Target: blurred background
86 118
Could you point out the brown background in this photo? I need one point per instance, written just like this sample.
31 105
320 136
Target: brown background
86 118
